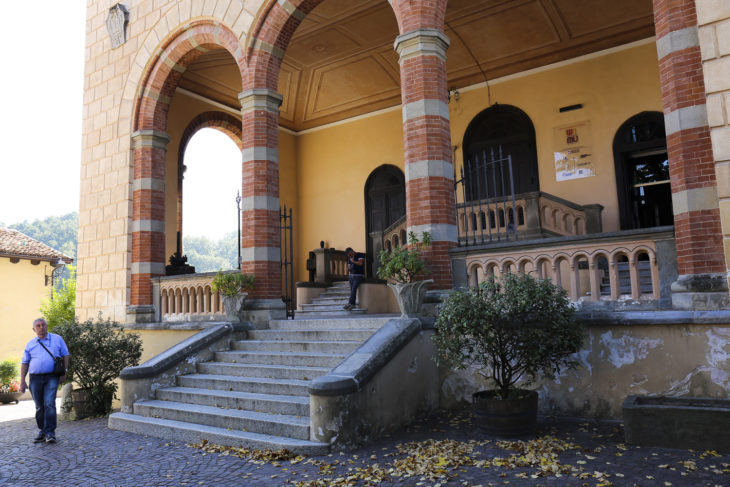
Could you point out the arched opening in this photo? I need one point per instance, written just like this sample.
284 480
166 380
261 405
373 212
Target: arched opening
642 172
502 128
211 183
385 204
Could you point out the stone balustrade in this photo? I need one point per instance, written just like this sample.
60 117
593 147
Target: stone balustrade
187 298
636 264
535 215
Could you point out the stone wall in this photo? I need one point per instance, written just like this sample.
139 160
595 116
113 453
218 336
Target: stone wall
111 86
671 359
713 18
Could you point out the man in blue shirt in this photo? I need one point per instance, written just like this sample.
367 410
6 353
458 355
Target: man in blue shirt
356 265
43 382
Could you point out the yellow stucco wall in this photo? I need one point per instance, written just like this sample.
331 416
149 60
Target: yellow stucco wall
335 162
22 289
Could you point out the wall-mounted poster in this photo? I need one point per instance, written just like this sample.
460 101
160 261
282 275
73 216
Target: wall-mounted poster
573 154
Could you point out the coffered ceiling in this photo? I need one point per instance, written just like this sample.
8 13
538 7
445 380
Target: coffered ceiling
340 62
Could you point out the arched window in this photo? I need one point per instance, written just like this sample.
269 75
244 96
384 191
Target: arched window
499 127
385 203
642 172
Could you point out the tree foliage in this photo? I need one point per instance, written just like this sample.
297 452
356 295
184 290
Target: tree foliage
208 255
515 327
58 232
61 306
99 351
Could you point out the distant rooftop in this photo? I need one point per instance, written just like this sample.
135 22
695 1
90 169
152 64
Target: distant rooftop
17 244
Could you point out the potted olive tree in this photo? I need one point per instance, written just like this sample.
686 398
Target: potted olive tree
401 266
233 288
99 351
516 329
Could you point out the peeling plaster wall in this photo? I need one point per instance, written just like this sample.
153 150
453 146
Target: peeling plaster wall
616 361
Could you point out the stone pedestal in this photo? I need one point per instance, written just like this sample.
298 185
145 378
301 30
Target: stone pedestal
141 314
700 292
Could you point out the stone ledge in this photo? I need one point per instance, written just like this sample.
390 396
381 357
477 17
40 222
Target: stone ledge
178 353
362 365
668 317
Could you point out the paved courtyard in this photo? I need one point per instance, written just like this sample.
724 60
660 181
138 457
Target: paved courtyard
440 450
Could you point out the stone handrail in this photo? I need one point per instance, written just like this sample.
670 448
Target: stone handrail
382 385
187 297
598 267
536 215
141 381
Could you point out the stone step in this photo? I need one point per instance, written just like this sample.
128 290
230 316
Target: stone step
325 335
344 322
246 421
312 346
322 307
330 301
195 433
254 385
344 293
269 403
296 359
330 313
262 370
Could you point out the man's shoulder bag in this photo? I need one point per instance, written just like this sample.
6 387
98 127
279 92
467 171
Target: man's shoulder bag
59 365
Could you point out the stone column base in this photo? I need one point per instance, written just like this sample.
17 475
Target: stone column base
700 292
260 311
141 314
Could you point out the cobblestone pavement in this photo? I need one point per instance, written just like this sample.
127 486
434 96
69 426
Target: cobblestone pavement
441 450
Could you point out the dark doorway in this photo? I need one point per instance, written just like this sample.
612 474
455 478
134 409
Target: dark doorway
642 172
385 203
498 127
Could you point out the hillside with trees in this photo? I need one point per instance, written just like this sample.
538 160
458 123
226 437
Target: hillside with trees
60 233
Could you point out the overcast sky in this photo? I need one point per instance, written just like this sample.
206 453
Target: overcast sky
40 127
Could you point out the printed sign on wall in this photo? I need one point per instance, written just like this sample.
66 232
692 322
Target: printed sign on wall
573 154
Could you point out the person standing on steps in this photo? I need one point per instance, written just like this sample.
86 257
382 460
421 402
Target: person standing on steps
356 265
38 359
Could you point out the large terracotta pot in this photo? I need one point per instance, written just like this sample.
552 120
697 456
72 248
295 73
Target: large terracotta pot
514 416
233 306
410 296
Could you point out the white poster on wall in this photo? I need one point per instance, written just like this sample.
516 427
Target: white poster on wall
573 153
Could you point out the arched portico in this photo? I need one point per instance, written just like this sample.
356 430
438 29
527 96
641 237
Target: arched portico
149 143
430 203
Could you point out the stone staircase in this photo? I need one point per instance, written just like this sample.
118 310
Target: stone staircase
254 395
330 303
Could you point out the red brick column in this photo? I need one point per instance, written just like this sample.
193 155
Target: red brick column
430 202
148 220
698 233
261 247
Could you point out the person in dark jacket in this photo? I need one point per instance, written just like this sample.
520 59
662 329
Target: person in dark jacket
356 266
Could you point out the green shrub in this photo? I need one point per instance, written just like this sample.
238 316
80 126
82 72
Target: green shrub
515 328
232 283
402 264
99 351
61 307
8 376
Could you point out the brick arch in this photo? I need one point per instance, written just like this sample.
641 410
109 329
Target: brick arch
149 142
170 63
269 38
223 122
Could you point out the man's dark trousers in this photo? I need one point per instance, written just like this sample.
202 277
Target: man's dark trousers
43 388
